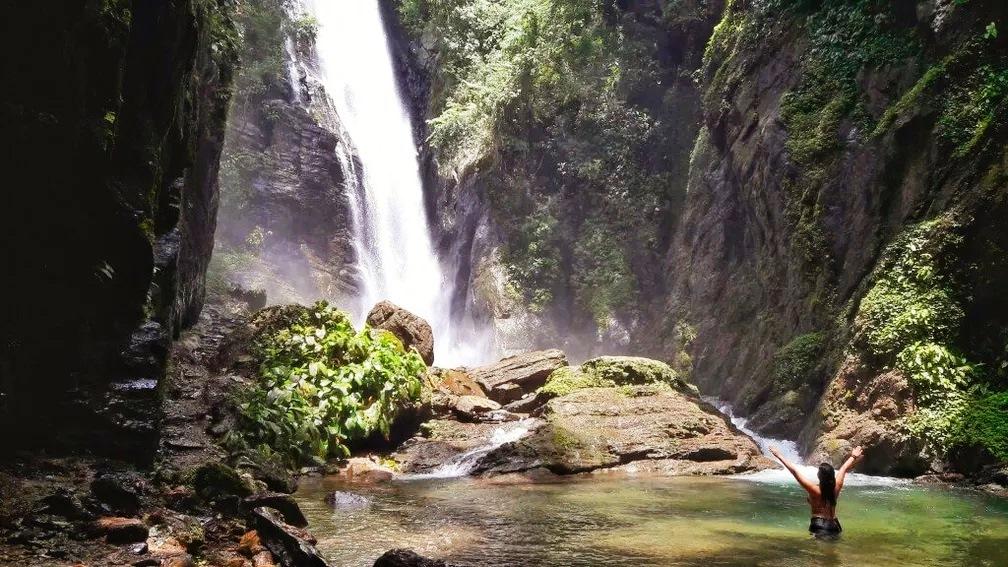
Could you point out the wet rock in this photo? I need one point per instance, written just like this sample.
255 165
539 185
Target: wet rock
346 500
64 503
406 558
263 559
439 442
513 377
293 547
282 503
217 482
366 471
120 530
598 428
474 408
411 329
169 528
178 561
455 382
528 404
119 491
250 545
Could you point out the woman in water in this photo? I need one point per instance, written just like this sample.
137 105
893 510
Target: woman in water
822 497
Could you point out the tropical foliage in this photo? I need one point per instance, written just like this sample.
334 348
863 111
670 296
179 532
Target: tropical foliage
323 386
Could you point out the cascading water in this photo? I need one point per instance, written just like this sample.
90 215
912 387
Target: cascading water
396 256
789 449
464 463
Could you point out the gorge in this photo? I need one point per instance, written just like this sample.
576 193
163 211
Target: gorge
485 277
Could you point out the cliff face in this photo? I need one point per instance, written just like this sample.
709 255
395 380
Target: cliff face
113 123
286 226
810 222
841 233
557 150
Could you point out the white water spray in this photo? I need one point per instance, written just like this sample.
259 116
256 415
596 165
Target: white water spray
464 463
789 449
396 257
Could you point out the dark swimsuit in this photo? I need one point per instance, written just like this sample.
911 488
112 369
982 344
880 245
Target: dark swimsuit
824 526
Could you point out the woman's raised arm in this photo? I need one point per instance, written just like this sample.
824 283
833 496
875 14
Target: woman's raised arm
855 457
809 486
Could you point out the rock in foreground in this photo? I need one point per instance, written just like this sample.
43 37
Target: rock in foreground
650 427
411 329
406 558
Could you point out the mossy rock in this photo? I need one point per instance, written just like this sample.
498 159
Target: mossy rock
215 480
612 371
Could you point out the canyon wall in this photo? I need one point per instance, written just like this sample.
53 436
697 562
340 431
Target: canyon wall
800 202
113 118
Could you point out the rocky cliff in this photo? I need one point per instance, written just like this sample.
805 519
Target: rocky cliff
840 238
285 220
806 215
558 145
113 123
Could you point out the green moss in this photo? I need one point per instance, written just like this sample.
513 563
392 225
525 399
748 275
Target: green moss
912 97
613 371
566 380
973 107
795 361
914 298
985 424
910 319
213 480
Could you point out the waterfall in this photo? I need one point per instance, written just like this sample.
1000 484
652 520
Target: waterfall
396 257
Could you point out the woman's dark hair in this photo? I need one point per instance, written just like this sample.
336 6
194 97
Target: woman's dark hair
827 483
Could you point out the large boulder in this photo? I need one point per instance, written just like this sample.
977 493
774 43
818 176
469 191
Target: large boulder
653 428
412 330
609 371
292 546
440 441
513 377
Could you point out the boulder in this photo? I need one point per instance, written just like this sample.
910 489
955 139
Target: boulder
609 371
474 408
456 382
120 530
513 377
283 503
292 546
439 442
406 558
120 491
412 330
654 427
364 470
346 500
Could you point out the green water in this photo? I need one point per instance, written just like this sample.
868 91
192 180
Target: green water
676 521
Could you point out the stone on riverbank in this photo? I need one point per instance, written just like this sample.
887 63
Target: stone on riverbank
513 377
293 547
120 530
601 428
406 558
412 330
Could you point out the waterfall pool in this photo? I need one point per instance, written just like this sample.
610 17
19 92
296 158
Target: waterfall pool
654 521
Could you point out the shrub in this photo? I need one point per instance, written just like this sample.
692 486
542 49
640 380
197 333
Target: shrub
985 424
796 360
323 385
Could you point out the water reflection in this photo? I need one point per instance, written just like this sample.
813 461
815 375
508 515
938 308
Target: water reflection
686 521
